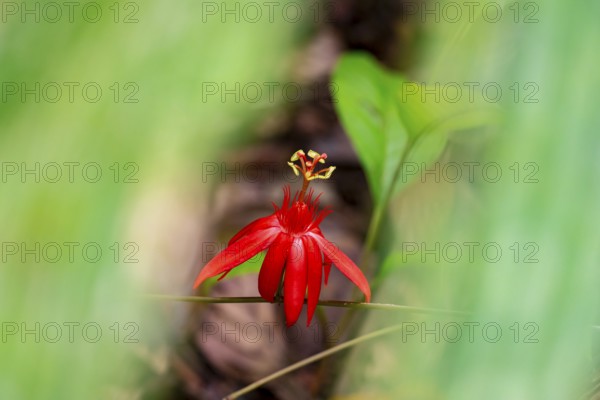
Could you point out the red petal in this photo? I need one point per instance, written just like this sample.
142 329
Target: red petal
270 273
344 264
327 268
314 264
241 251
294 282
260 224
326 261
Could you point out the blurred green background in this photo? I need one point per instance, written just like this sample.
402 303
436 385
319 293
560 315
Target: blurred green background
151 129
544 296
156 127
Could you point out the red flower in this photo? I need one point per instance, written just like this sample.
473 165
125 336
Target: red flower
297 249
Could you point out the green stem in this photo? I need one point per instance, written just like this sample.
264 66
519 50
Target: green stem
373 231
346 322
326 303
372 234
380 210
312 359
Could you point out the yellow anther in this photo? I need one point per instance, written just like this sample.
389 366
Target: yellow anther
297 155
295 168
329 172
313 154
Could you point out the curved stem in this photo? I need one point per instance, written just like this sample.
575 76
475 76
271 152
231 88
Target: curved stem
372 233
379 211
374 229
312 359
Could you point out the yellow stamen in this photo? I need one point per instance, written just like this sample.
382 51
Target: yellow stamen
295 168
297 155
328 172
307 168
313 154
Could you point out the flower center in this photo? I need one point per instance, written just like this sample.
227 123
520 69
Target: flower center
298 218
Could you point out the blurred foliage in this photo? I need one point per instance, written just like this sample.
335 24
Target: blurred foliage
390 124
159 122
546 308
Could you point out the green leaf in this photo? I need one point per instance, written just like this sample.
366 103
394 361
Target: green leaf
397 126
252 266
371 117
431 142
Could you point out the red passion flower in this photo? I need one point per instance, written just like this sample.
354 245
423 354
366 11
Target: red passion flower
298 255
